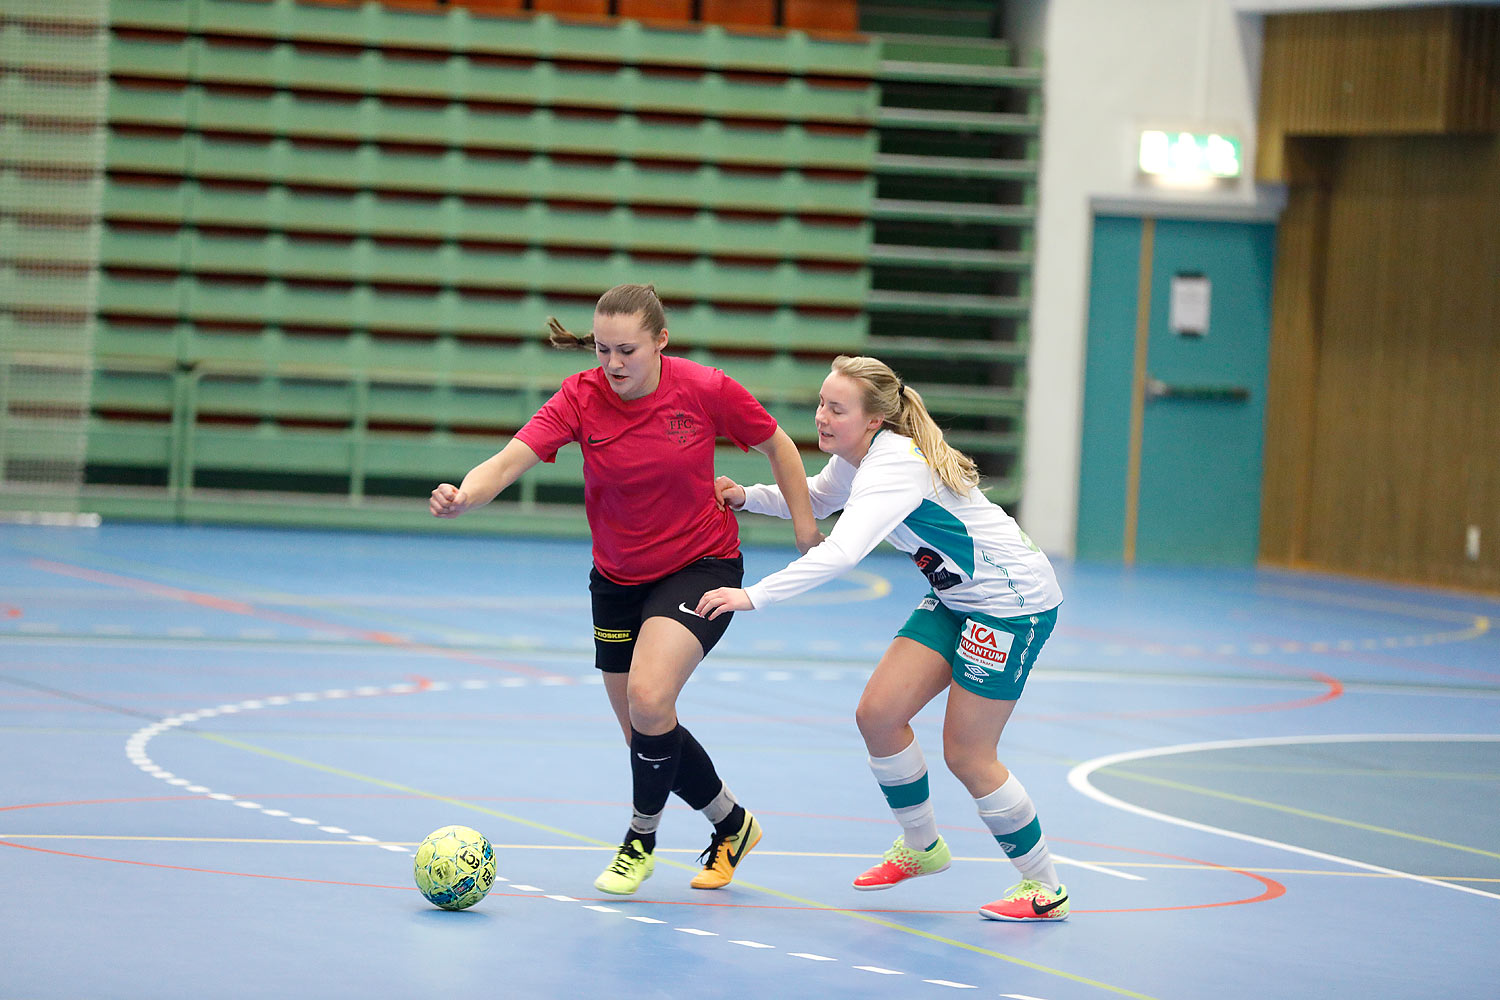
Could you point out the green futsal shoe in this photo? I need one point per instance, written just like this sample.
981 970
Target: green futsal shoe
631 866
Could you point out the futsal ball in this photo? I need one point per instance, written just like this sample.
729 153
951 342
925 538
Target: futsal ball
455 867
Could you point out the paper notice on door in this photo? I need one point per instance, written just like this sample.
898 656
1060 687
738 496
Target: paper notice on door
1190 297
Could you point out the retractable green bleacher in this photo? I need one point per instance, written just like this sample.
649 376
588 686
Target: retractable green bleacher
334 234
954 216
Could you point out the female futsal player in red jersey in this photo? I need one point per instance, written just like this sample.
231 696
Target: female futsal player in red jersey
647 424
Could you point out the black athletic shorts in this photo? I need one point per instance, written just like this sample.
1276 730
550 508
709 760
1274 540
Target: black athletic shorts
620 609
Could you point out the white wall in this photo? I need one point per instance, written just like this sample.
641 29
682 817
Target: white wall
1113 68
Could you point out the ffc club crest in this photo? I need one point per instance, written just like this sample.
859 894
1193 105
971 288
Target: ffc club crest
681 428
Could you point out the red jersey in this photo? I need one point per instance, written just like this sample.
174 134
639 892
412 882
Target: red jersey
648 464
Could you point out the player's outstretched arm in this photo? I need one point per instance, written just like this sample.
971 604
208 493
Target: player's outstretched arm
791 479
484 482
714 603
730 493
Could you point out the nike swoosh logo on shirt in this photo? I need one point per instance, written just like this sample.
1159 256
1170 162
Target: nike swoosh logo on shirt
594 440
687 610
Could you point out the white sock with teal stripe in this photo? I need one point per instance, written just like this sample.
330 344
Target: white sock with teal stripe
1009 815
903 779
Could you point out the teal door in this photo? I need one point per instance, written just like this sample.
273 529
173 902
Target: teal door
1174 398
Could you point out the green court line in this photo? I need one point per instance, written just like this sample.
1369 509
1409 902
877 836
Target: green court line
1294 811
1478 624
811 903
395 786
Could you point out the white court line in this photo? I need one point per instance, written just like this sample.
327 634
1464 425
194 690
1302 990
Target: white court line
1078 777
1101 869
136 744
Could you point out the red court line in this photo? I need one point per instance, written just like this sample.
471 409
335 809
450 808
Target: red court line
205 871
1414 665
298 621
1332 688
1271 889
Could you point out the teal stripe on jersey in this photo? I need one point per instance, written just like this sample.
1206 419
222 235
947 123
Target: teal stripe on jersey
905 796
1016 844
944 532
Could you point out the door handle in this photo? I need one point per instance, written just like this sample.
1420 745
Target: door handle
1157 389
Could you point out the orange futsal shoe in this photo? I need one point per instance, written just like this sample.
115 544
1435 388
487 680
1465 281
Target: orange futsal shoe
1029 901
724 854
902 863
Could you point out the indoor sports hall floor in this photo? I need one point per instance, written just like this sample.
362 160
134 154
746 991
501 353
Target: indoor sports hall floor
221 745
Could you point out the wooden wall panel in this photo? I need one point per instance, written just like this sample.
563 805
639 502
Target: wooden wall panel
1414 71
1296 315
1404 414
1475 95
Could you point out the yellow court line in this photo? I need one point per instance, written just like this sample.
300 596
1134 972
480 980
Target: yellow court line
1478 624
280 841
811 903
1294 811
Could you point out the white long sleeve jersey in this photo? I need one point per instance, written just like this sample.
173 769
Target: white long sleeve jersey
974 554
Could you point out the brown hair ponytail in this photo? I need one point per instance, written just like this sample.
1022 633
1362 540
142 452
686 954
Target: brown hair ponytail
621 300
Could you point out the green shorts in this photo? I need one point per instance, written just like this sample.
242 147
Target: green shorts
990 656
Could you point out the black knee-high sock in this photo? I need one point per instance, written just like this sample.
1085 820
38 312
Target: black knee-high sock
697 781
654 762
699 785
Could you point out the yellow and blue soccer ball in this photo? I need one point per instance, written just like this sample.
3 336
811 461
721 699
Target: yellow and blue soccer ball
455 867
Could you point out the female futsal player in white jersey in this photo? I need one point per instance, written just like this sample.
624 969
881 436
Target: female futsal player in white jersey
976 635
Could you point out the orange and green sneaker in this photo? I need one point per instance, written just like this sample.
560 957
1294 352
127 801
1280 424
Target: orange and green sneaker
902 862
724 854
1029 900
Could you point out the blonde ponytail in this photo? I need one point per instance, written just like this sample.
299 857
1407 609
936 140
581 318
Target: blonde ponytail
901 407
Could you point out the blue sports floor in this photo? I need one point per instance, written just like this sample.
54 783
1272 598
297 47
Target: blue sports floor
221 746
